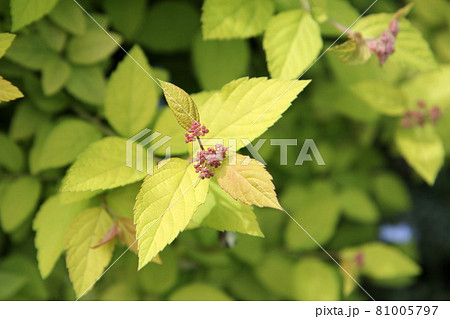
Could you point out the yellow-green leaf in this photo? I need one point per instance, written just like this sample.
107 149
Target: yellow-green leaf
63 144
5 42
423 150
311 275
358 206
68 16
51 223
246 108
12 157
227 214
354 51
181 104
292 42
19 200
381 261
382 96
92 47
87 84
165 205
24 12
55 74
248 181
235 18
101 166
131 95
8 92
85 263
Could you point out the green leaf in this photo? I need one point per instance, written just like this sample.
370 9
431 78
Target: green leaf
382 96
160 279
246 108
246 179
219 62
51 223
63 144
30 51
86 264
19 265
12 157
431 87
165 205
55 75
8 92
11 284
181 104
227 214
26 121
199 292
126 16
317 216
102 165
18 202
48 104
235 18
53 36
6 39
358 206
87 84
24 12
167 125
275 273
131 95
382 261
311 276
411 49
391 193
338 10
292 42
121 200
92 47
169 26
68 16
423 149
354 51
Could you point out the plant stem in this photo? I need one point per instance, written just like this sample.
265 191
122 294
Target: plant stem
200 143
305 5
93 119
340 27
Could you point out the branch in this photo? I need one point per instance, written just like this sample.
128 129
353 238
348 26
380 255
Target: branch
93 119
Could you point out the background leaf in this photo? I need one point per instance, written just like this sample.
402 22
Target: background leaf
235 18
24 12
18 202
86 264
51 223
101 166
292 42
131 95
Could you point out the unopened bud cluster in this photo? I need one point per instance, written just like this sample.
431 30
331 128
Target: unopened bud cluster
196 130
420 116
209 159
384 45
206 160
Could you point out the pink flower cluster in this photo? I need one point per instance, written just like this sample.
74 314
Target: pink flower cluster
384 45
209 159
196 130
419 117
